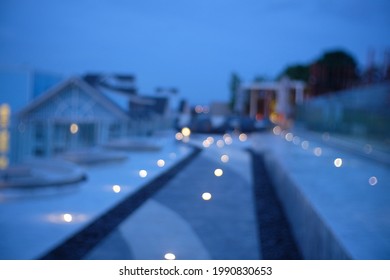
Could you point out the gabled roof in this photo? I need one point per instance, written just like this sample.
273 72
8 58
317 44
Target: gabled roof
100 99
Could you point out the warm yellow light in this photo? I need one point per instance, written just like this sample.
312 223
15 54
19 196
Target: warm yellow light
160 163
5 112
206 196
4 141
74 128
228 140
243 137
3 162
67 218
143 173
210 139
218 172
170 256
116 188
206 144
186 131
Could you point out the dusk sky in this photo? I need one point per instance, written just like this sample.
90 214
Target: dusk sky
191 45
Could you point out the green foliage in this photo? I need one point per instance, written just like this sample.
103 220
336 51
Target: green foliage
337 58
297 72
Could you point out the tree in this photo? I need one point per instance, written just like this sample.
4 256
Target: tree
335 70
296 72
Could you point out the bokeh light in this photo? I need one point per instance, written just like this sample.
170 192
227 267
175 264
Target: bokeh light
143 173
67 217
218 172
186 131
224 158
243 137
160 163
170 256
206 196
317 151
373 181
116 188
338 162
74 128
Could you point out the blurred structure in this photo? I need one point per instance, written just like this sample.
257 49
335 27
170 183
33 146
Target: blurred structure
333 71
82 113
274 100
359 112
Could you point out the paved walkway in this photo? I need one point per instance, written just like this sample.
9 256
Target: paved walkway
178 220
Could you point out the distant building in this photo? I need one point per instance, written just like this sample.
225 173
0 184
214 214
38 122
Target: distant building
18 86
273 100
75 115
71 115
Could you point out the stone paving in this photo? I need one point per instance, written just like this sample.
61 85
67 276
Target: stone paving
177 220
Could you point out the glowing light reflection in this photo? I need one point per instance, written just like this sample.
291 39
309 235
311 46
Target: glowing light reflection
186 131
170 256
224 158
160 163
305 145
74 128
243 137
338 162
218 172
143 173
277 130
116 188
206 144
210 140
220 143
289 137
206 196
373 181
296 140
67 218
179 136
228 140
317 151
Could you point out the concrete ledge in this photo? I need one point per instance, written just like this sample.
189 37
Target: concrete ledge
314 237
334 212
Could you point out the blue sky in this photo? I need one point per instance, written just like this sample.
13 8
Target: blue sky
191 45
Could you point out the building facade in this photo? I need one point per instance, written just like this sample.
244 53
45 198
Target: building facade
72 115
273 100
